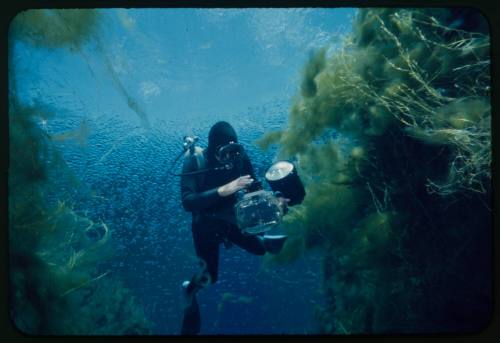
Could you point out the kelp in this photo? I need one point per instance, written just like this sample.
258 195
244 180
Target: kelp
400 207
57 283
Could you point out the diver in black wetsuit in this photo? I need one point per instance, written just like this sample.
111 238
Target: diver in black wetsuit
211 197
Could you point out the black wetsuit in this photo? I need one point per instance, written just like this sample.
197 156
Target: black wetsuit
214 219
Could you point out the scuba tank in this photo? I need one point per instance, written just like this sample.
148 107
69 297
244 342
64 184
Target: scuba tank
228 156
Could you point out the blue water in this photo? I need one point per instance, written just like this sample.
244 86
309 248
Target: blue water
186 69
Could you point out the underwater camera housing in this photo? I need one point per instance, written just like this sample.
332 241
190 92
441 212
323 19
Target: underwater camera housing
258 212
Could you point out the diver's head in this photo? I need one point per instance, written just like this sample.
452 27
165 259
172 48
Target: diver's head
230 155
221 133
223 144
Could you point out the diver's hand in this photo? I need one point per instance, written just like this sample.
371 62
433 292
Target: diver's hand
283 203
234 186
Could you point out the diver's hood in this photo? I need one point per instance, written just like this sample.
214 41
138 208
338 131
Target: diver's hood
220 134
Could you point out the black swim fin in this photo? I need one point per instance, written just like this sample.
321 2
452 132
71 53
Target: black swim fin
191 323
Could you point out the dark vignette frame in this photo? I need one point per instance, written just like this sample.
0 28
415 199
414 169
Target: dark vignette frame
488 8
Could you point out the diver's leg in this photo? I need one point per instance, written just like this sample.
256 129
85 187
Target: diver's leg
206 245
256 244
201 279
207 250
252 244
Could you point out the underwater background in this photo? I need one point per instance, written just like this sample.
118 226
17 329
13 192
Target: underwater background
385 112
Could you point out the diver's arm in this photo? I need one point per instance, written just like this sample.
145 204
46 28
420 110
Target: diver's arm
248 169
235 185
191 199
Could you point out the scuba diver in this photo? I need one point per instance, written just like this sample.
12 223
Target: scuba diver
210 181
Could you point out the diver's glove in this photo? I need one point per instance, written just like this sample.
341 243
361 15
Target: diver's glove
273 244
256 185
283 201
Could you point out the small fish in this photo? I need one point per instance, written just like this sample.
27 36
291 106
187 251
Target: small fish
81 134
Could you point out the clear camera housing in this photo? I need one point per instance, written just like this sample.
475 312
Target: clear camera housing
258 212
